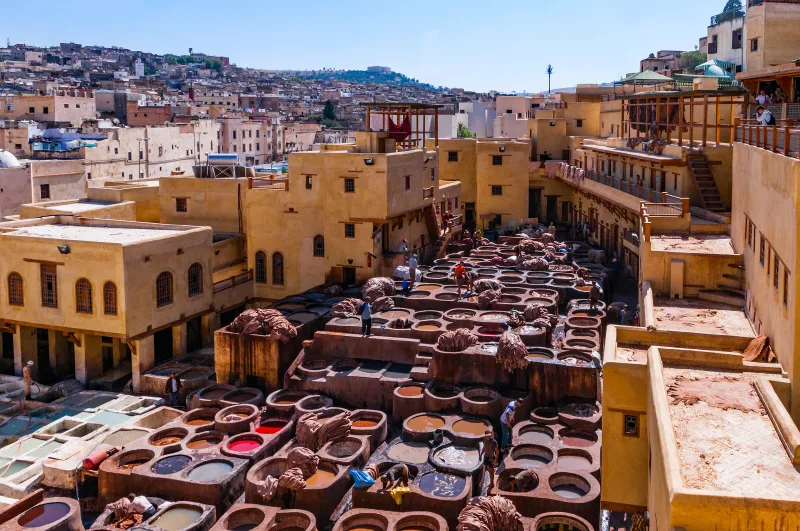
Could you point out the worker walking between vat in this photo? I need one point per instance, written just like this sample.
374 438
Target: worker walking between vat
490 453
412 270
366 319
173 389
26 380
459 273
507 420
594 294
397 475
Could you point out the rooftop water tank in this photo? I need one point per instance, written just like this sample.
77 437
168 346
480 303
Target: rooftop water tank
8 160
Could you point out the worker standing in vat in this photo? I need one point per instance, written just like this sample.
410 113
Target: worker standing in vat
507 420
26 380
366 319
522 482
173 389
412 270
397 475
490 454
459 273
594 295
141 505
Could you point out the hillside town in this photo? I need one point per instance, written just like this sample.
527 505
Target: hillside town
349 300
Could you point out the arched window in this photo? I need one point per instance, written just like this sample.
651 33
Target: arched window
277 269
15 294
83 296
110 298
195 279
261 267
164 289
319 245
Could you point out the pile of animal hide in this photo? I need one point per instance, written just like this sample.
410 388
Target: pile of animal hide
469 243
304 459
456 340
377 287
529 246
534 264
546 238
511 352
489 513
313 435
487 298
334 290
596 256
482 284
346 308
516 319
264 322
292 479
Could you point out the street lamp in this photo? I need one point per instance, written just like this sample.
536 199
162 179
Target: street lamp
139 167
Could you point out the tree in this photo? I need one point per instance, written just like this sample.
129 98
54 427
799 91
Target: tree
190 50
329 113
690 60
214 64
549 72
464 132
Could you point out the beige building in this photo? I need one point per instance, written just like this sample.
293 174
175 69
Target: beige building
40 180
72 107
771 36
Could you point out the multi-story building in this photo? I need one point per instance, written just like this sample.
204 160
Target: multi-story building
138 115
771 36
663 60
725 41
61 107
225 100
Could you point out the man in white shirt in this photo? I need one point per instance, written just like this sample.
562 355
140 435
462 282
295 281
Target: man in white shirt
761 98
412 271
764 117
507 420
141 505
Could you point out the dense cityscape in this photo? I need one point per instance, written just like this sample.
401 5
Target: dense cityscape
236 298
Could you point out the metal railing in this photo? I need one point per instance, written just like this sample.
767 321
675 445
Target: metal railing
281 183
663 209
648 194
783 138
236 280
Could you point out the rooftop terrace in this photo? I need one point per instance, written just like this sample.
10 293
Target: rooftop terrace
700 315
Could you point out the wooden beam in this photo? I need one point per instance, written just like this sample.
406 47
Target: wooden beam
8 328
705 118
72 338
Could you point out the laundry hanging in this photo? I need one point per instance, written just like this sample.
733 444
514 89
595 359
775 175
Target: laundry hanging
399 132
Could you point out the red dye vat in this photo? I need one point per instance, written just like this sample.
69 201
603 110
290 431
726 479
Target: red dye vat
270 427
244 445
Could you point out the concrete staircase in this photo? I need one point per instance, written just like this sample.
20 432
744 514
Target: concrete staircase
731 291
700 169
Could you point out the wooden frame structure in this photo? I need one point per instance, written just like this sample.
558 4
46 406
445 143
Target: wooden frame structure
688 120
414 114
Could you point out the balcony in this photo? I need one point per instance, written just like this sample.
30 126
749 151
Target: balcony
647 194
783 138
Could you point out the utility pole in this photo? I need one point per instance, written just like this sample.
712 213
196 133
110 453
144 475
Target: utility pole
139 167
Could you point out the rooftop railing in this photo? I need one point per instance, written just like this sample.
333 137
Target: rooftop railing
236 280
647 194
278 183
783 137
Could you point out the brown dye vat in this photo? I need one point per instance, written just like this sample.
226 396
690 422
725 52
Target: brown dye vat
365 527
395 314
199 422
131 464
425 423
574 462
409 452
240 397
44 514
428 327
364 423
535 436
410 390
578 439
444 392
569 491
427 287
424 316
214 394
202 444
320 478
165 441
470 427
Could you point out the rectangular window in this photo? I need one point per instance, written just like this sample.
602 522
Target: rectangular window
349 230
234 134
761 251
408 182
579 122
603 166
497 190
785 287
497 160
44 191
349 185
776 267
258 146
130 155
308 182
49 285
258 133
45 110
433 174
452 156
30 109
753 45
737 39
180 204
631 426
66 105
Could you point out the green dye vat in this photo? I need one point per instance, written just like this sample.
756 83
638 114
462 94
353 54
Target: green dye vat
46 450
109 418
15 467
123 437
21 447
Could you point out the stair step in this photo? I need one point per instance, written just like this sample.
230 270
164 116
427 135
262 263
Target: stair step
733 277
732 289
737 266
721 296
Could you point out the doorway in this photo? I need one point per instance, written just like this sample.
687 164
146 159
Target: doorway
348 276
107 349
534 202
194 334
7 366
162 343
469 216
43 373
552 208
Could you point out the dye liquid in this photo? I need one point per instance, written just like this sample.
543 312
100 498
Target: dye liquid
440 484
244 445
410 390
536 437
198 422
270 427
202 444
178 518
532 460
425 423
165 441
470 427
577 440
573 462
458 457
320 478
363 423
171 464
210 471
409 452
569 491
44 514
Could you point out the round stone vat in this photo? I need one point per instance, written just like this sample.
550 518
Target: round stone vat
569 486
582 416
531 456
544 415
418 522
410 452
348 451
53 514
167 437
539 354
236 419
409 391
211 471
211 395
200 417
581 343
513 291
427 315
344 366
457 457
442 484
483 401
493 317
365 422
314 368
577 438
285 400
440 396
323 477
394 313
490 331
470 428
311 404
365 522
132 459
244 444
578 358
270 427
427 326
427 287
446 296
503 482
243 519
180 516
560 521
582 323
244 395
346 321
574 459
423 424
328 413
171 464
204 441
293 520
535 434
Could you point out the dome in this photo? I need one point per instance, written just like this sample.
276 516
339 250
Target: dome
714 70
8 160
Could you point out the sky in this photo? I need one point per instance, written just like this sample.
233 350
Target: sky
475 45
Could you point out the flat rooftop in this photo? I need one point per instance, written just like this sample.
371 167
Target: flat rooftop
725 439
702 316
697 243
80 206
85 233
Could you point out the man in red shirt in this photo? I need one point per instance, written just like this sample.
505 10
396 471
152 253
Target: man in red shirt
459 273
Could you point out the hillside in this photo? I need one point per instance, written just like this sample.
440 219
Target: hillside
364 77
